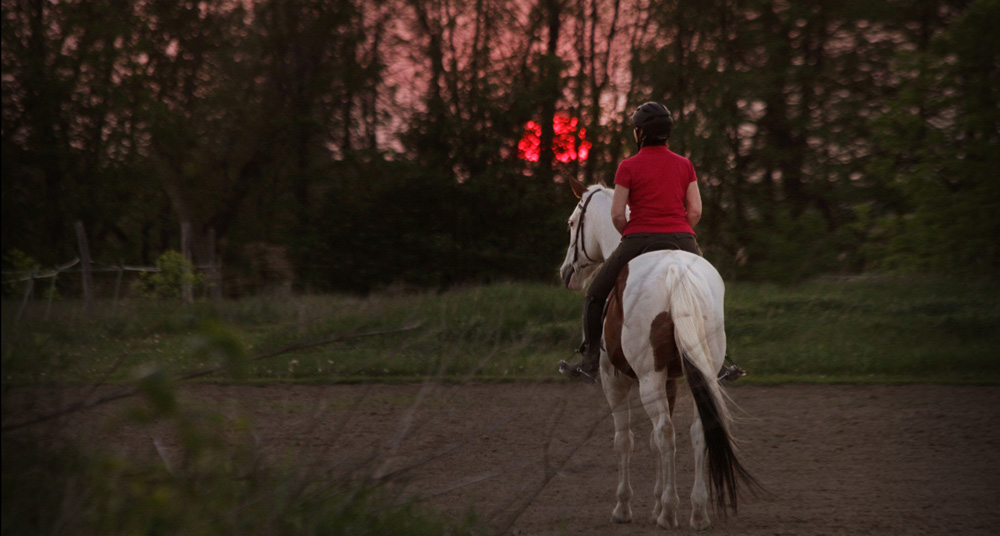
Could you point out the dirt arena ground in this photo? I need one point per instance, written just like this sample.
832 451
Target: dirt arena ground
538 458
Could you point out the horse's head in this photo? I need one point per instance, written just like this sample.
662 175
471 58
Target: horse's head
588 225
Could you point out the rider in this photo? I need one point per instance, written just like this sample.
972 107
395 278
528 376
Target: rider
661 191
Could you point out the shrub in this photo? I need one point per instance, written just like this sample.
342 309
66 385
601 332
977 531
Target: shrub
175 272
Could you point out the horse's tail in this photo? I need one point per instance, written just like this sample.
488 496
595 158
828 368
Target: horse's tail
689 310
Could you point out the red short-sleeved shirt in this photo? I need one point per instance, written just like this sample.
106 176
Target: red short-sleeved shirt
657 179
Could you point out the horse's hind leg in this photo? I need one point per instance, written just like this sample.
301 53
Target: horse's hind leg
658 476
657 469
616 390
654 399
699 493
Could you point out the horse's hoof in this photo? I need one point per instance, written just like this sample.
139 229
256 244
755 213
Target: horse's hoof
621 515
700 522
667 521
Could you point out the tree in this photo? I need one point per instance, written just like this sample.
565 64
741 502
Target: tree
69 139
937 154
348 133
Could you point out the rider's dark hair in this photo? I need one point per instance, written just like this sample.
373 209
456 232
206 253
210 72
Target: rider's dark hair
653 122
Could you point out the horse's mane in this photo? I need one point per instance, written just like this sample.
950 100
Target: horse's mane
600 186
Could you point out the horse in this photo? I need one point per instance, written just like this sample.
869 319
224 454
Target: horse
664 320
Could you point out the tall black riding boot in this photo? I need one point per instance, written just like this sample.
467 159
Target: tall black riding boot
590 350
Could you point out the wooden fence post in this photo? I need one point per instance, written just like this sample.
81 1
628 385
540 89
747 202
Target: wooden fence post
85 267
118 282
29 291
52 294
214 275
187 292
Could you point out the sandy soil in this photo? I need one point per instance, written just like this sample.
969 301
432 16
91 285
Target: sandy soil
538 458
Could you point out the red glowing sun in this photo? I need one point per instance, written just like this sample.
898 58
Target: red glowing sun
564 142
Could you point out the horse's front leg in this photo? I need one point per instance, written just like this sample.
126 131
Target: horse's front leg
654 400
616 390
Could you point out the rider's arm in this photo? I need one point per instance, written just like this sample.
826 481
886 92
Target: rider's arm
618 203
692 202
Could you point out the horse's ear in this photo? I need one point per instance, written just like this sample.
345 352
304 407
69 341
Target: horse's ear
578 187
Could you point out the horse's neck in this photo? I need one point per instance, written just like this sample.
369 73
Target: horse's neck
605 234
609 239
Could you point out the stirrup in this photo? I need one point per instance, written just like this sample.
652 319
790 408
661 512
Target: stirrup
576 372
730 373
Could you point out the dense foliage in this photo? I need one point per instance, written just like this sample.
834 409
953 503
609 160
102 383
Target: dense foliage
372 143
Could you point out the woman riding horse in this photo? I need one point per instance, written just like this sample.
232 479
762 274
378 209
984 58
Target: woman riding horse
661 191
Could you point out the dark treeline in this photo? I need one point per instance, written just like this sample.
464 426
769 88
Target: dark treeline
375 142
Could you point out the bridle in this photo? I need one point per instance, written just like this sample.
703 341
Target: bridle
580 244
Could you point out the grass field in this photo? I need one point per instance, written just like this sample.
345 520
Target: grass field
873 329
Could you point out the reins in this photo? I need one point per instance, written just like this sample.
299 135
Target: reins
581 244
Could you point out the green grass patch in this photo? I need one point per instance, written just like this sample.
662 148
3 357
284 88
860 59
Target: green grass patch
885 330
874 329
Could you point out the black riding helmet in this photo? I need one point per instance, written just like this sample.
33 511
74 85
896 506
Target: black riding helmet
653 121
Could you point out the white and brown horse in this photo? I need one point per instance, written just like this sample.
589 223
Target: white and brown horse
664 320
